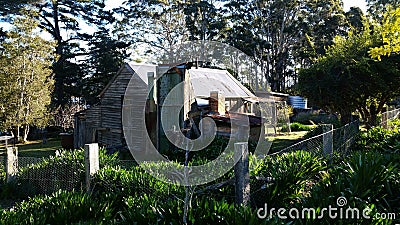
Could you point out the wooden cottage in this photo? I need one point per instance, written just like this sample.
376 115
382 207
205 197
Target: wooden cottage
143 89
102 123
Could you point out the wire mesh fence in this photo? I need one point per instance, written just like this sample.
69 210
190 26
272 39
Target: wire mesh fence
28 161
127 164
345 137
314 144
389 116
38 176
342 139
284 168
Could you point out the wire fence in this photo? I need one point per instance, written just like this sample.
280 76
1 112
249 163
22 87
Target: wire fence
342 139
35 176
389 116
331 143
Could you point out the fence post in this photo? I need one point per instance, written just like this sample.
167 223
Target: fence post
91 162
328 140
12 164
385 120
242 175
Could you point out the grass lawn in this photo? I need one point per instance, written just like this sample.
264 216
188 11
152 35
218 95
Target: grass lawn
35 148
38 150
284 140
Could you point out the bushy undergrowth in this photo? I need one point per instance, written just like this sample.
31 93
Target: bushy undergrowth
365 179
3 177
211 152
368 178
314 132
80 208
379 139
292 176
204 210
62 207
133 182
50 174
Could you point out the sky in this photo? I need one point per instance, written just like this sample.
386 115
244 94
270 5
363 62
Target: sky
347 4
350 3
116 3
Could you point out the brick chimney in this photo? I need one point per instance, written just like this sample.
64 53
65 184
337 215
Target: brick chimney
217 103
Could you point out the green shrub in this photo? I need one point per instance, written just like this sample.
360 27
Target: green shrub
3 174
314 132
316 118
60 208
149 210
209 153
296 127
133 182
292 176
379 139
369 176
365 179
3 177
65 171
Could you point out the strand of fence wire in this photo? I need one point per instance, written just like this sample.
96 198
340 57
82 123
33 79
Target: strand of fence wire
340 138
343 138
313 144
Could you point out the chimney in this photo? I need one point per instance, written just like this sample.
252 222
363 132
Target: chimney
217 103
151 91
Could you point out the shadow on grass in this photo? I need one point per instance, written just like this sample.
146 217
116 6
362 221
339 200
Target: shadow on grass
35 148
283 141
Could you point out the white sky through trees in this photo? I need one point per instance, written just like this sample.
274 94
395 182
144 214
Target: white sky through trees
347 4
116 3
350 3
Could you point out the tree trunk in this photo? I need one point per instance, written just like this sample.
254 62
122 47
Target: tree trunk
374 120
345 118
18 135
373 115
26 132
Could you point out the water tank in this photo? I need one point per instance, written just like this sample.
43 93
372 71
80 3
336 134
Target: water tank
298 102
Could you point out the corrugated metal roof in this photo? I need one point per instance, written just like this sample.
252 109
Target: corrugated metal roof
206 80
140 69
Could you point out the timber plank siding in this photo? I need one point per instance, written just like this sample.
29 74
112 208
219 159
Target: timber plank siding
103 123
110 133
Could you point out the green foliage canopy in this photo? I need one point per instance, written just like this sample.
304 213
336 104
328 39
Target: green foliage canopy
390 34
26 83
346 79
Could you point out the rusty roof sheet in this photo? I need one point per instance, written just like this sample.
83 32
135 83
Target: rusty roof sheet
206 80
